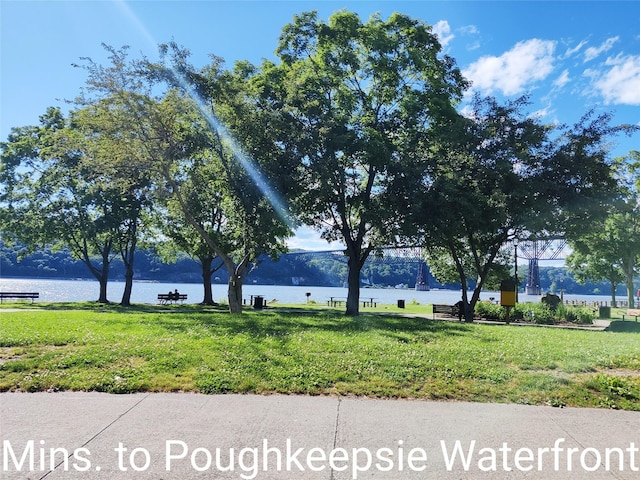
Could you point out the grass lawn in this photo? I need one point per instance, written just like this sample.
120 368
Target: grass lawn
191 348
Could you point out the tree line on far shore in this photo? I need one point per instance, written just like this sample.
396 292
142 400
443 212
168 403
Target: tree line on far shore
314 270
359 131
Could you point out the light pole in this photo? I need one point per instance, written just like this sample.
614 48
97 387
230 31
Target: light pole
515 263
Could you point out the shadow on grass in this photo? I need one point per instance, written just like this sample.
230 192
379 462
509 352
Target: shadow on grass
115 307
265 323
283 324
623 326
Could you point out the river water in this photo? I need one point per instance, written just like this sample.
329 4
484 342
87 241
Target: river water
55 290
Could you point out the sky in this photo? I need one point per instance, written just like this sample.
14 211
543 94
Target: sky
568 56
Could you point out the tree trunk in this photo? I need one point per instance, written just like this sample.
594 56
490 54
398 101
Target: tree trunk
629 284
470 307
353 284
613 294
235 292
103 280
467 308
102 275
127 259
205 263
467 305
128 285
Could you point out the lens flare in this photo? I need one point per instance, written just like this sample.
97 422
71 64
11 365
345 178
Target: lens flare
248 164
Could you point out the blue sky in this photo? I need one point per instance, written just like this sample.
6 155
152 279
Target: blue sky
569 56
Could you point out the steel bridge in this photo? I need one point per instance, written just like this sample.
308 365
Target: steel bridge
533 250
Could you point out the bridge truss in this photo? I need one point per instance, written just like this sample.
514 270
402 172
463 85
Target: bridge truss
533 250
407 256
536 250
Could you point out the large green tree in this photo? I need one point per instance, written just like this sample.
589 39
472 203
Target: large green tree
250 175
201 191
59 189
118 170
172 126
610 248
596 257
500 175
364 99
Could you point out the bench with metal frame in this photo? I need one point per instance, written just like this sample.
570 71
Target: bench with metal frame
19 295
165 298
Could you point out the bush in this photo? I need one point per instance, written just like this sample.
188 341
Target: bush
533 312
538 313
579 315
489 311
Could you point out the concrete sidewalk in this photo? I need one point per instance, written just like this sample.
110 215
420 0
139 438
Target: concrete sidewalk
192 436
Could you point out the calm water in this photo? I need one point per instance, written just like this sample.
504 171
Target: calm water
147 292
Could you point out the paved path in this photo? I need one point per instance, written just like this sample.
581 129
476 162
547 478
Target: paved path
193 436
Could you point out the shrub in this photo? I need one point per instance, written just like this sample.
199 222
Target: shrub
528 311
538 313
579 315
489 311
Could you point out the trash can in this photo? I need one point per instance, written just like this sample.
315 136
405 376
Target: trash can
400 303
258 302
604 312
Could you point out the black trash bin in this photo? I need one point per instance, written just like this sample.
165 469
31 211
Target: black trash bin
604 312
400 303
258 302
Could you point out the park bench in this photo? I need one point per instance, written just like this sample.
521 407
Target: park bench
165 298
446 309
19 295
635 313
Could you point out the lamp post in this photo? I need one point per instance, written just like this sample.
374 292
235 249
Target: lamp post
515 263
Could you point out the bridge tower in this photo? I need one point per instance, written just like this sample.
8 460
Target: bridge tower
536 250
422 280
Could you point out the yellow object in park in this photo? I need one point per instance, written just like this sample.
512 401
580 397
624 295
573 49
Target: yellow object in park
508 293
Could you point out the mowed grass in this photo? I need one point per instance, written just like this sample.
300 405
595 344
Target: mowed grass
190 348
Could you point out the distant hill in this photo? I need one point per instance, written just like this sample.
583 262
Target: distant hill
309 269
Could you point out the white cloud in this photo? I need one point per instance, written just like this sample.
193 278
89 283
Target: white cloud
621 83
592 52
514 71
577 48
443 32
469 30
306 238
562 80
541 113
473 46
